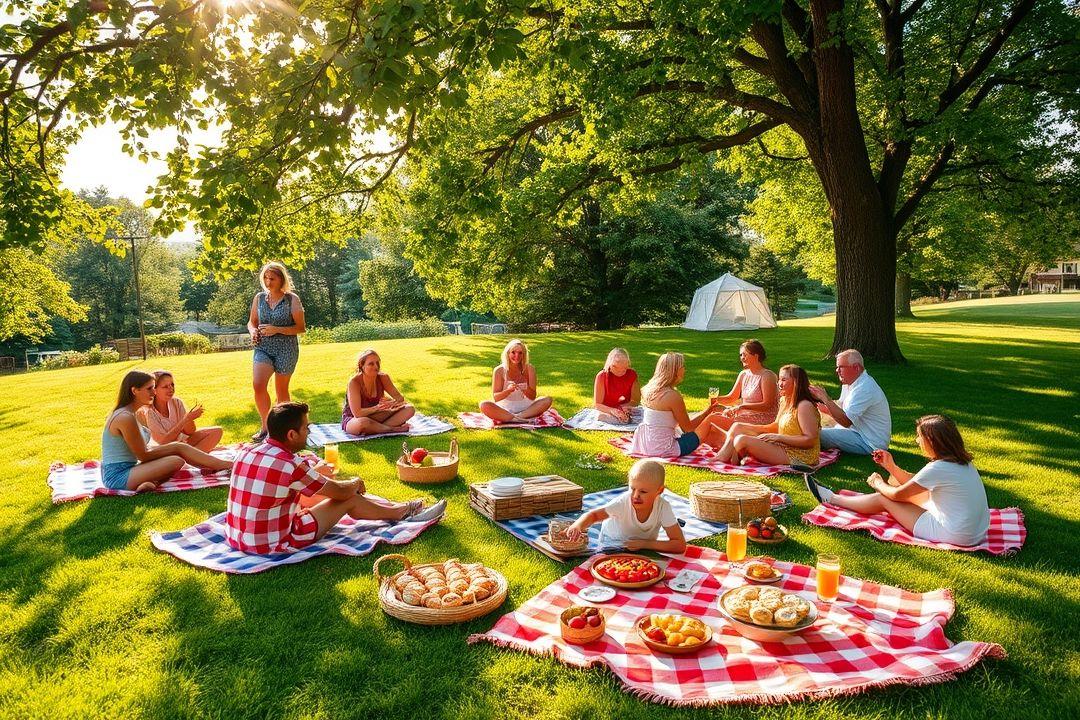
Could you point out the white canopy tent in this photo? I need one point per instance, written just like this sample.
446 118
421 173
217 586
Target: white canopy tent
728 303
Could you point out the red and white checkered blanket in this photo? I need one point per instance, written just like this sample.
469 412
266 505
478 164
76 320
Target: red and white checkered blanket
479 421
1005 537
704 457
83 480
872 636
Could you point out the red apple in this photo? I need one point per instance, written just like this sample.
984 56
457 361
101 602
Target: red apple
418 456
594 621
577 623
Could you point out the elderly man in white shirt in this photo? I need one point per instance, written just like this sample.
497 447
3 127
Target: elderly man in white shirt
863 422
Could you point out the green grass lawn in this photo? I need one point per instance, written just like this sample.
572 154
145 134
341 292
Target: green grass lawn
94 621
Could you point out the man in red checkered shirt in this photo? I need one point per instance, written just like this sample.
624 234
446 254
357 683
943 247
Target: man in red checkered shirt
280 501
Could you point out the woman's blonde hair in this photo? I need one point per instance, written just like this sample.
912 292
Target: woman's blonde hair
506 354
614 355
278 269
665 376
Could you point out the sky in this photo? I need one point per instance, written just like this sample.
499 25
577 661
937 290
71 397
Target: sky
97 159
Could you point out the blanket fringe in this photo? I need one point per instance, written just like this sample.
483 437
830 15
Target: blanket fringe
986 650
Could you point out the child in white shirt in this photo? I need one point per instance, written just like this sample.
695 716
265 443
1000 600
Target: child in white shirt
634 519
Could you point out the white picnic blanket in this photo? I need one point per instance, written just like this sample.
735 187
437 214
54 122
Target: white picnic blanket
322 433
589 419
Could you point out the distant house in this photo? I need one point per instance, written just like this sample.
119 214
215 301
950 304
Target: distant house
1064 276
209 329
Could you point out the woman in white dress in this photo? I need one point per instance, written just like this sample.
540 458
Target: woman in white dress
513 388
666 428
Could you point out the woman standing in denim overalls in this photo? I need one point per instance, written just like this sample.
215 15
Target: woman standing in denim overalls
276 321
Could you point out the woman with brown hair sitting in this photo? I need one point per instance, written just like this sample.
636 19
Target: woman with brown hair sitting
943 502
791 438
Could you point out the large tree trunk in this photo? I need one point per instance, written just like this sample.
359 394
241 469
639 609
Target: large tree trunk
864 240
902 299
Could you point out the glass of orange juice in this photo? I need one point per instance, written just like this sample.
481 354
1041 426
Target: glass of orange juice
736 542
331 455
828 577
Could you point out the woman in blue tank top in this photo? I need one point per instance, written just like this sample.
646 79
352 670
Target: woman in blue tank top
275 323
126 463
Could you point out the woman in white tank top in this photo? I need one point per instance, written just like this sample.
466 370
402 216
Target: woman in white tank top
665 413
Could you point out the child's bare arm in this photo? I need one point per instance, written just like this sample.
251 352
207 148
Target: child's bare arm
582 524
676 542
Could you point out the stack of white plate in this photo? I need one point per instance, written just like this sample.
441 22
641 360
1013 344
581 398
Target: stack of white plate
506 487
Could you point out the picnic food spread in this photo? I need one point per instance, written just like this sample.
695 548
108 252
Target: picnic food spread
673 632
765 606
632 571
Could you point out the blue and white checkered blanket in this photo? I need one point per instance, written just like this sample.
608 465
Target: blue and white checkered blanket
322 433
204 545
530 528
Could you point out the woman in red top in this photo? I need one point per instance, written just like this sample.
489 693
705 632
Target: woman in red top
372 404
616 391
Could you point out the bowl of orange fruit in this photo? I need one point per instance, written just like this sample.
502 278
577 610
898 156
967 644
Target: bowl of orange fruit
672 633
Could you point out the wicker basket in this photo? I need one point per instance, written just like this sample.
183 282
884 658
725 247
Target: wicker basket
719 501
445 468
400 609
585 635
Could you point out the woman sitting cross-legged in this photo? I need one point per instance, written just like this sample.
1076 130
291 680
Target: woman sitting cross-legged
513 388
616 391
169 421
943 502
126 461
792 438
752 399
665 411
373 405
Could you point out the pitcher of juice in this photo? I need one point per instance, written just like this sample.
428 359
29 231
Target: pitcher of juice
828 577
736 542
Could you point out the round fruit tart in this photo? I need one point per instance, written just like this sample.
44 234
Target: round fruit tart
627 571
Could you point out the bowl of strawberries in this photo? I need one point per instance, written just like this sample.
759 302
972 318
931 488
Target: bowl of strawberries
580 625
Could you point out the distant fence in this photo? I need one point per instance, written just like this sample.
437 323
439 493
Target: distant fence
129 348
236 341
488 328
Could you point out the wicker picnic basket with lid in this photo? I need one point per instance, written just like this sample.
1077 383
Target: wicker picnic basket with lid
719 500
395 607
445 468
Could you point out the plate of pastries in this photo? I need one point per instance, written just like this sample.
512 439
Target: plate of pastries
767 613
440 593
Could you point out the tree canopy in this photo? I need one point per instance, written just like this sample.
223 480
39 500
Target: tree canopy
883 100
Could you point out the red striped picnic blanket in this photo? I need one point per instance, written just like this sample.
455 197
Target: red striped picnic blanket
83 480
704 457
479 421
872 636
1005 537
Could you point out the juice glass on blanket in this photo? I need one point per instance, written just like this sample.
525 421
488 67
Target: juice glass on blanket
331 455
714 395
736 543
828 577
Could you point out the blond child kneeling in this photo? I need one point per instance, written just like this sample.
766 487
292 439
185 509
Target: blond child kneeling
634 519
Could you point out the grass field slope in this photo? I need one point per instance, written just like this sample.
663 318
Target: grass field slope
95 622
